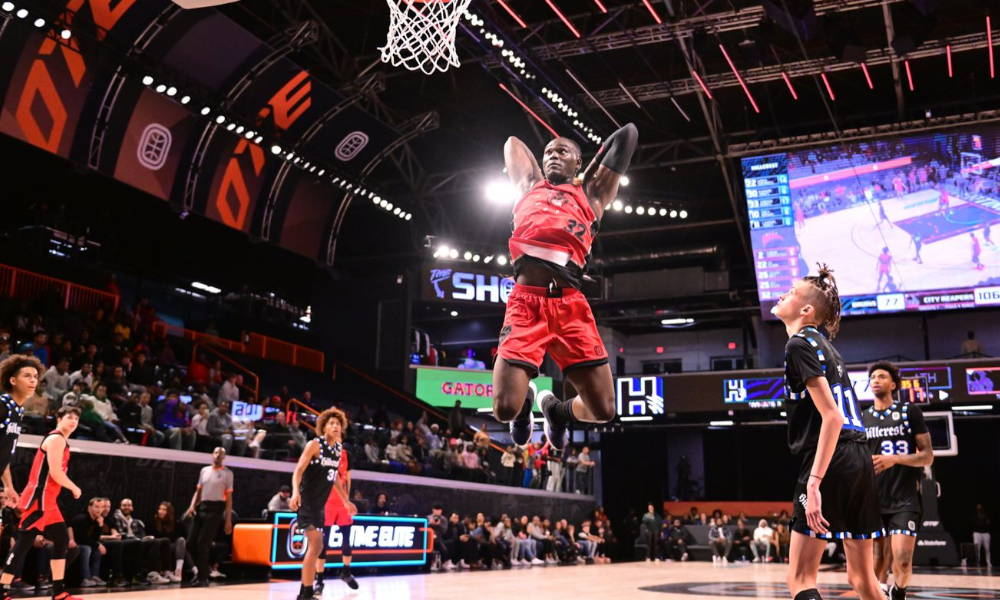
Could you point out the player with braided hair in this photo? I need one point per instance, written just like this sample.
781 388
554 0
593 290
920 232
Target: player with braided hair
836 496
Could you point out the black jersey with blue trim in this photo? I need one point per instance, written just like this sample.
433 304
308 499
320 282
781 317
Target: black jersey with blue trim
894 431
10 429
320 475
809 354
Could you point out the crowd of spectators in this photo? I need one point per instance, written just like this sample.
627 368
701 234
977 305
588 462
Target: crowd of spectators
485 542
672 538
136 386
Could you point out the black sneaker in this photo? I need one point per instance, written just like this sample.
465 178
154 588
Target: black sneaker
896 593
318 586
521 428
349 580
557 434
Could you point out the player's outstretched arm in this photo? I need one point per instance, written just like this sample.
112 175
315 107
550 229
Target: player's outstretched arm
600 179
522 168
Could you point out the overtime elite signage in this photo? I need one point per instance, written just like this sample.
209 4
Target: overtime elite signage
376 541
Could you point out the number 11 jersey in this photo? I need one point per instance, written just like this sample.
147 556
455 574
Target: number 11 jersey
809 354
894 431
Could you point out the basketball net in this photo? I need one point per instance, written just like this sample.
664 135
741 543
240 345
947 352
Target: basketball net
422 34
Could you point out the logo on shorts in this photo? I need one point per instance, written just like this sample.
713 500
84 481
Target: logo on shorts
804 500
598 350
504 333
911 525
351 145
154 146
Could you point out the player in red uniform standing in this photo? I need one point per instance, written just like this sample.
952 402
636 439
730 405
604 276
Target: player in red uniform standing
39 512
338 514
553 226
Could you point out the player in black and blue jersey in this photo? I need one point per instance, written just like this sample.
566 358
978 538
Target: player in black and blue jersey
901 446
836 496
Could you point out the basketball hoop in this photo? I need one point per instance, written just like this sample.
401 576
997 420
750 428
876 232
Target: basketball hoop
422 34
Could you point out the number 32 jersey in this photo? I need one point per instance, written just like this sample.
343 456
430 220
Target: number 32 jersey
809 354
894 431
554 225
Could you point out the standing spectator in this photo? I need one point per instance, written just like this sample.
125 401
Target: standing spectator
653 523
166 525
142 372
230 390
583 466
173 421
720 538
456 420
762 541
439 525
555 464
85 534
57 378
742 540
507 462
782 540
211 504
280 500
167 357
152 548
981 526
220 428
971 347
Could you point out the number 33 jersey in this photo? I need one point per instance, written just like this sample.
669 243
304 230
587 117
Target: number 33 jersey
554 225
808 354
894 431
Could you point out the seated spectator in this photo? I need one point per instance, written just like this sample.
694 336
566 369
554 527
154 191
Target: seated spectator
130 417
220 428
695 518
151 548
457 541
678 540
372 451
36 409
100 429
57 378
720 538
111 539
43 561
142 372
781 539
470 458
85 534
72 397
173 421
742 540
280 500
245 429
84 374
381 506
167 358
166 525
146 419
117 386
297 441
197 371
762 541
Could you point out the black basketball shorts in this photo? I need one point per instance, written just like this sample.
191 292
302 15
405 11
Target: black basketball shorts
902 523
849 495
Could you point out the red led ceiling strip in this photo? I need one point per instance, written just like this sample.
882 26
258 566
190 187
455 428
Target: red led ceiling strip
530 112
868 77
511 12
702 84
788 82
746 90
652 11
829 90
562 17
909 75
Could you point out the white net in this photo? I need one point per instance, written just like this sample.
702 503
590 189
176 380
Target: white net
422 34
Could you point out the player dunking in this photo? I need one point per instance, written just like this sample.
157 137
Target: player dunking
39 512
553 226
315 476
18 379
900 446
835 497
337 514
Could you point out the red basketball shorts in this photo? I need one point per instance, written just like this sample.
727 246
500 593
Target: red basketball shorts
336 513
563 326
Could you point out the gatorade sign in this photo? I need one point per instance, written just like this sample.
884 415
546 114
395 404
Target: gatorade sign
441 387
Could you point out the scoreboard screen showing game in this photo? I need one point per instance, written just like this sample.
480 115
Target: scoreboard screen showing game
905 223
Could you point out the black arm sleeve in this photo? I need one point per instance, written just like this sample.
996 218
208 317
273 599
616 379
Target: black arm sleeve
617 151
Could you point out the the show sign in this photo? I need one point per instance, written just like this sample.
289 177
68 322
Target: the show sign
244 411
441 387
466 285
376 541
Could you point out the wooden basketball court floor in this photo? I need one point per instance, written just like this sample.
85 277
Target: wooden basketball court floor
656 581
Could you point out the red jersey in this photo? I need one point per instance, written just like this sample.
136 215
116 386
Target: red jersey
554 225
883 262
335 511
38 500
